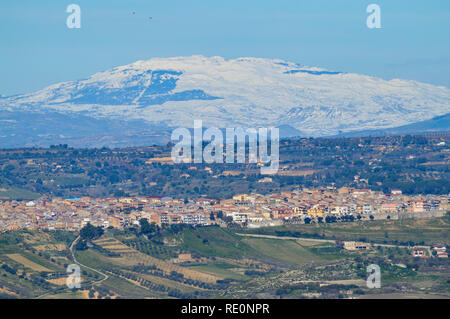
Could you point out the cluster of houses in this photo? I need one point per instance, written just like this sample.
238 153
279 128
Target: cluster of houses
439 251
324 204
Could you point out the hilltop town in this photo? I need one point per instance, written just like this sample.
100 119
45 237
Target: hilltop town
143 226
316 205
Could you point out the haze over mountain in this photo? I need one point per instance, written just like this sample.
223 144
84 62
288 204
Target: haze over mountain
147 96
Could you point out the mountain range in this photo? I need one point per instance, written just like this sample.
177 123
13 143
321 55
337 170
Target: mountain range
140 103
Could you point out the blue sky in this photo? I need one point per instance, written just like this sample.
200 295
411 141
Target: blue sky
37 49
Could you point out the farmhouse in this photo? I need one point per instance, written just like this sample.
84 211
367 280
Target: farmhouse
353 245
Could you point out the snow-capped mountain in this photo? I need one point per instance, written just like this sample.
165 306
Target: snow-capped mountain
248 92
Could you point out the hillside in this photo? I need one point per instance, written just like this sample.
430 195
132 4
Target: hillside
146 97
437 124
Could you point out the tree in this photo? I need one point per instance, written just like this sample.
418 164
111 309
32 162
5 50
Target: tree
146 227
90 232
81 245
228 219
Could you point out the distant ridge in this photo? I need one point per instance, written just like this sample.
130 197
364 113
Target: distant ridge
438 124
137 103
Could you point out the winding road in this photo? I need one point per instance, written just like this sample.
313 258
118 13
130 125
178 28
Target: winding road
87 267
81 265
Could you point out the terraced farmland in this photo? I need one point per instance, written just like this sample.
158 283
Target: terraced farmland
28 263
132 257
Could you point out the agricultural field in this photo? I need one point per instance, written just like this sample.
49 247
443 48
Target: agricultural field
26 270
223 270
130 257
289 251
28 263
220 259
223 263
7 192
407 231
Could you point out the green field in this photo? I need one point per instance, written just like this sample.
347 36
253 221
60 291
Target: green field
218 242
284 251
421 231
71 181
15 193
125 289
240 266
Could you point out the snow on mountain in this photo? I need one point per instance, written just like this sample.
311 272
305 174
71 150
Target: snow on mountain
247 92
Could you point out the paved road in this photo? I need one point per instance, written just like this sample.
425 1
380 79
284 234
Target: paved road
428 248
95 270
77 262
